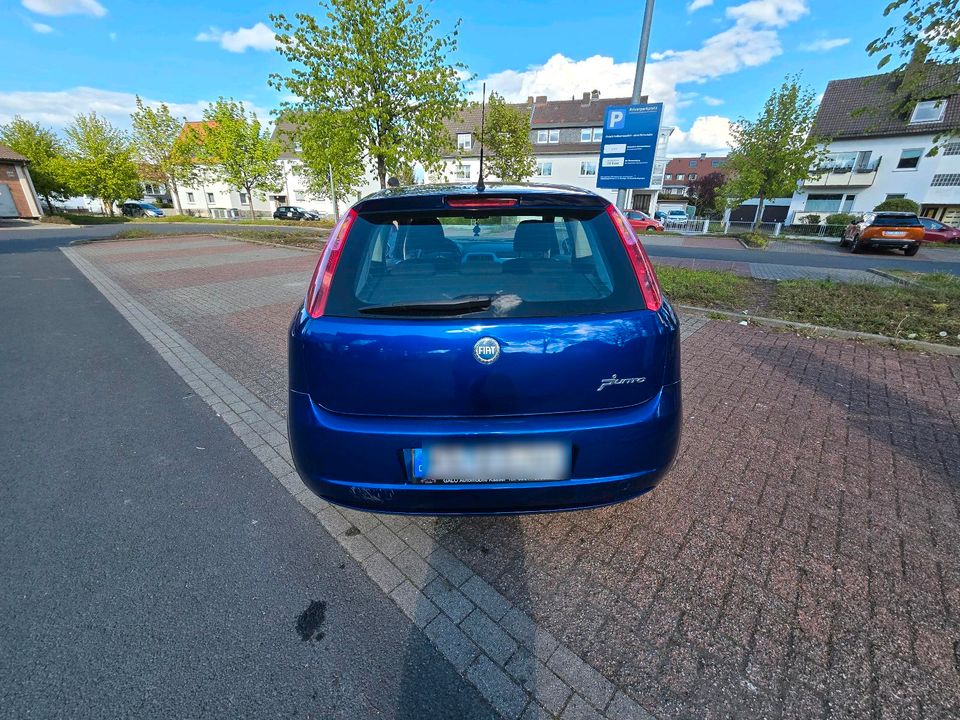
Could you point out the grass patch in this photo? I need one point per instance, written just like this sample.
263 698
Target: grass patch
83 219
753 239
133 234
919 312
704 288
278 237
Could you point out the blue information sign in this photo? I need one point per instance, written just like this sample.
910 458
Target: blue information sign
629 144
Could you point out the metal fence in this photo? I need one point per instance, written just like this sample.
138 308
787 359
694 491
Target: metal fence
814 231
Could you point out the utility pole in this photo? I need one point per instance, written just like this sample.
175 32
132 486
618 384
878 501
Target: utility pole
333 193
638 77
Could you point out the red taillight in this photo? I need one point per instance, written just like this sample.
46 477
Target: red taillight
481 202
642 268
319 288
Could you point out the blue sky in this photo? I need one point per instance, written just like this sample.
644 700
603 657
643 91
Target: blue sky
710 60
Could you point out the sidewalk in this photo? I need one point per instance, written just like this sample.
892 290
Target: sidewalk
799 561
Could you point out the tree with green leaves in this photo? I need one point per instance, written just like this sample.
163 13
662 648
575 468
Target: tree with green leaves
324 144
775 151
508 152
234 148
102 161
381 69
921 50
163 154
899 205
49 167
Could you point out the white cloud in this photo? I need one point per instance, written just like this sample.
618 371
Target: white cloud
58 108
697 4
712 101
775 13
825 44
65 7
709 134
258 37
41 27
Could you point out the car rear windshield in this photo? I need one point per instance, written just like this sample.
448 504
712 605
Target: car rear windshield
500 264
896 220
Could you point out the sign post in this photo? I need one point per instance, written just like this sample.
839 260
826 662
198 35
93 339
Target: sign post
629 145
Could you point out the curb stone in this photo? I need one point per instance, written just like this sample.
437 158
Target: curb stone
362 534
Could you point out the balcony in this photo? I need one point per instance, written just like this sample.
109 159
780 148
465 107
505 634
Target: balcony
845 175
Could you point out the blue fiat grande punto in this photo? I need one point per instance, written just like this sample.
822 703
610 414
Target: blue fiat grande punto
497 351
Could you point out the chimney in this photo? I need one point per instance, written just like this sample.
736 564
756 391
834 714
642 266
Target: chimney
529 99
541 99
703 156
586 100
595 95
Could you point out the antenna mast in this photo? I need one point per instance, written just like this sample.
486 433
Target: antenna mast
483 109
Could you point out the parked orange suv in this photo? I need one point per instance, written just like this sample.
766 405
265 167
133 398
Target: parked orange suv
893 230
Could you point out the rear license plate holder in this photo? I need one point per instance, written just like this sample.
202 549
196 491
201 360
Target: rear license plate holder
894 233
497 463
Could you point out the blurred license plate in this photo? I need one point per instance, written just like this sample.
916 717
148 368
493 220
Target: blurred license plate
501 462
894 233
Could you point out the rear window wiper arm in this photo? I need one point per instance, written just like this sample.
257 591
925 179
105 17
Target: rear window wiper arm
457 306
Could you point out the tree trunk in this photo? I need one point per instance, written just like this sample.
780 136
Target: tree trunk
759 217
382 171
49 205
107 206
253 215
175 196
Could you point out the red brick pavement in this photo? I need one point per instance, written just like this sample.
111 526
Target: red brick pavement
799 561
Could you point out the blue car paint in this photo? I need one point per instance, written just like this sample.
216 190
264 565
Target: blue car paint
399 383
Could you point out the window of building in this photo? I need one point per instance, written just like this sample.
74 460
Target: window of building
210 197
462 171
909 159
716 163
895 196
848 203
588 167
299 195
692 176
946 180
679 176
190 197
11 172
542 136
928 111
693 163
243 198
951 149
464 141
597 134
668 176
544 169
586 135
823 203
554 136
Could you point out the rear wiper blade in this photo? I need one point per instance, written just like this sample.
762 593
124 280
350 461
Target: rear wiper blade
458 306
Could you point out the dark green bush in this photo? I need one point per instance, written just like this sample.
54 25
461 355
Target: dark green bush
813 219
899 205
840 219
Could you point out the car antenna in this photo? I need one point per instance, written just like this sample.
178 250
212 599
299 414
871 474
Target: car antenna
483 106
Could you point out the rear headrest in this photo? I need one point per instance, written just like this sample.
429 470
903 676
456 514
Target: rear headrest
536 237
425 235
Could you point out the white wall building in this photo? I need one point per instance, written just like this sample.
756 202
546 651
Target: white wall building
873 158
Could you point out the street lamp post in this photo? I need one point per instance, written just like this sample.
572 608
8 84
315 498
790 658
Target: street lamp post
638 77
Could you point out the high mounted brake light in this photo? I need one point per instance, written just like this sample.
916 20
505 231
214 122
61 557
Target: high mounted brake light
481 202
646 278
319 288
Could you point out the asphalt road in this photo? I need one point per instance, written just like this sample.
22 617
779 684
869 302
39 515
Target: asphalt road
150 566
836 257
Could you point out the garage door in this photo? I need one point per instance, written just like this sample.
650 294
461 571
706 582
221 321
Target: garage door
7 206
952 216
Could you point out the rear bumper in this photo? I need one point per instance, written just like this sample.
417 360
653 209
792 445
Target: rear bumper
892 243
359 461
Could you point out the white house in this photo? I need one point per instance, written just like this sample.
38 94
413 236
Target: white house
566 138
872 158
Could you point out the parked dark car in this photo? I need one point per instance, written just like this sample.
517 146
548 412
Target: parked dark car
891 230
465 352
292 212
936 231
135 208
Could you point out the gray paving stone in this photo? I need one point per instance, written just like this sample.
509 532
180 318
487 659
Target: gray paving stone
541 682
448 566
499 690
523 629
414 604
580 709
449 599
581 677
385 540
451 641
383 572
488 635
623 708
415 568
483 594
